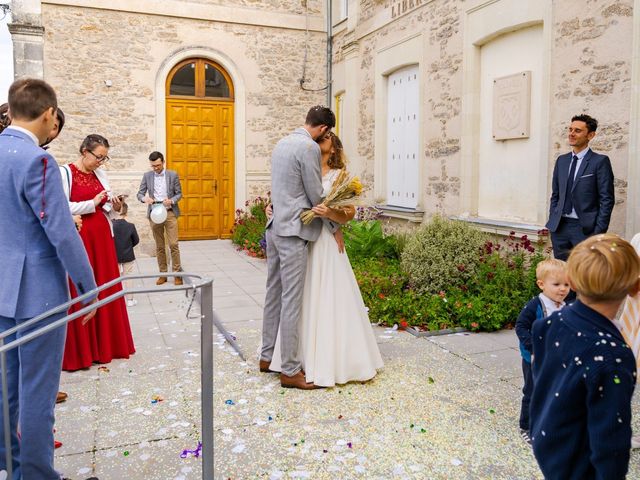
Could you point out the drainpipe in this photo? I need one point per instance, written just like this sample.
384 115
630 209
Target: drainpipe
329 50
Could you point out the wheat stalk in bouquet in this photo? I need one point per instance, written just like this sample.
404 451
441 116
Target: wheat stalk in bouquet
343 190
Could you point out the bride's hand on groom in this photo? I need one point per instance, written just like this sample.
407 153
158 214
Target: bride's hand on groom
321 211
339 240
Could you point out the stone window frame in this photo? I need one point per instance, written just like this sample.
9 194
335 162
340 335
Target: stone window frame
485 20
390 58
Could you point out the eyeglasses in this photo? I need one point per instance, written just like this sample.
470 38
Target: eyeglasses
99 159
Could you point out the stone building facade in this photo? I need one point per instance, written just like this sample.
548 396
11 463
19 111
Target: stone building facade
457 107
579 56
111 63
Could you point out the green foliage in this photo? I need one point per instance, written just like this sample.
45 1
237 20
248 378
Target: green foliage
365 239
249 226
503 283
379 278
443 275
441 254
491 298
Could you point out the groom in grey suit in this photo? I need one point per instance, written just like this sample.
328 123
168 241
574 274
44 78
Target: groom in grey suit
296 185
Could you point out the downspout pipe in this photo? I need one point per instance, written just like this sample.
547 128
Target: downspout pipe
329 51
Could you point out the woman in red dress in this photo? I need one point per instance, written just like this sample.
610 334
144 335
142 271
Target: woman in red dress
108 334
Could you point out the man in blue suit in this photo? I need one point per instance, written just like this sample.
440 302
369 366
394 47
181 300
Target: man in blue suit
40 245
582 195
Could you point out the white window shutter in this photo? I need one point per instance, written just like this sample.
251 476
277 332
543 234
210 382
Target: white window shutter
411 137
403 137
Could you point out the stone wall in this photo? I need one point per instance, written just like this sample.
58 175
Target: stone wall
84 48
440 27
592 74
285 6
590 65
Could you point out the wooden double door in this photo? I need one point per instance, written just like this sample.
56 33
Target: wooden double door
200 135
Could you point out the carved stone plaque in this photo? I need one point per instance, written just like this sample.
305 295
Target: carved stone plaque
512 106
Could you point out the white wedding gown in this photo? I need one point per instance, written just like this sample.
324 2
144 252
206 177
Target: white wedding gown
337 344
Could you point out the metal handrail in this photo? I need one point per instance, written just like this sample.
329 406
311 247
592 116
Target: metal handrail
206 347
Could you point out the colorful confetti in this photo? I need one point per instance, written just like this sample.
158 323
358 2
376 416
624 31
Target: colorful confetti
196 452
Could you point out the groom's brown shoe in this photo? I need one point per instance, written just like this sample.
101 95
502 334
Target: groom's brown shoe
296 381
264 367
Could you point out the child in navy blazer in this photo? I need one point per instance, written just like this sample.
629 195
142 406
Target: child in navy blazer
583 371
125 237
551 278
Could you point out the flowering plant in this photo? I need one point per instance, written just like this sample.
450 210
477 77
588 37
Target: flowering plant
343 190
249 225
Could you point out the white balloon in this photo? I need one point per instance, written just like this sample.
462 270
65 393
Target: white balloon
158 214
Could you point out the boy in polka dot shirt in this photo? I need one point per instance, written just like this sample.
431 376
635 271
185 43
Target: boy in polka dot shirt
583 371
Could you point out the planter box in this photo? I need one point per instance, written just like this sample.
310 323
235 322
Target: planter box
432 333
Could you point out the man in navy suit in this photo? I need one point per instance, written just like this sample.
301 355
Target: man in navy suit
40 244
582 196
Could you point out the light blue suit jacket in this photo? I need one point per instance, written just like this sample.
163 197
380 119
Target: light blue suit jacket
38 239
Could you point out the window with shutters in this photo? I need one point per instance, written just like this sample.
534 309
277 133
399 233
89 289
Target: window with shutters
403 137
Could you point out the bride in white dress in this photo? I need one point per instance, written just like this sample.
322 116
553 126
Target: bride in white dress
336 338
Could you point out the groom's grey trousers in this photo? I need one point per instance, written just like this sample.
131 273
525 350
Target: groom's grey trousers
286 269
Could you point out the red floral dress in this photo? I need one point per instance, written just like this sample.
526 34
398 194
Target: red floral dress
107 335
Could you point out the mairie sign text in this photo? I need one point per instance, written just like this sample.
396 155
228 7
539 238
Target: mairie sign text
403 6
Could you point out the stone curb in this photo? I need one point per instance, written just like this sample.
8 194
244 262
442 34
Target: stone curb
447 331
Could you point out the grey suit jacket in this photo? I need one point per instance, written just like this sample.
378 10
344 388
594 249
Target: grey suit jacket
174 189
296 185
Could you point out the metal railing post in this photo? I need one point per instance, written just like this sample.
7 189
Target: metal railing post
208 321
5 413
206 380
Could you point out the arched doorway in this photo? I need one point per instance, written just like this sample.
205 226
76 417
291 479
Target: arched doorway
199 113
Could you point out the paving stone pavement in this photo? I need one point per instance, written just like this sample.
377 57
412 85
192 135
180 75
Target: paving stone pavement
443 408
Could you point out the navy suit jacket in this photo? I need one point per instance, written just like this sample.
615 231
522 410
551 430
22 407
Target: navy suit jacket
126 237
38 239
593 192
583 380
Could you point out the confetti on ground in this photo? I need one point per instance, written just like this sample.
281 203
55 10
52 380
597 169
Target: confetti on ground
401 425
196 452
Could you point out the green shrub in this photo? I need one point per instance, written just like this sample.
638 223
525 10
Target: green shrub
249 226
365 239
489 297
442 254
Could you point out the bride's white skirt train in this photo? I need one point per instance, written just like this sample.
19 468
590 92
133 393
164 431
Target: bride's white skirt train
337 343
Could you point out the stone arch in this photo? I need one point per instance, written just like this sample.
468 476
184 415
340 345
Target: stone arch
240 95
